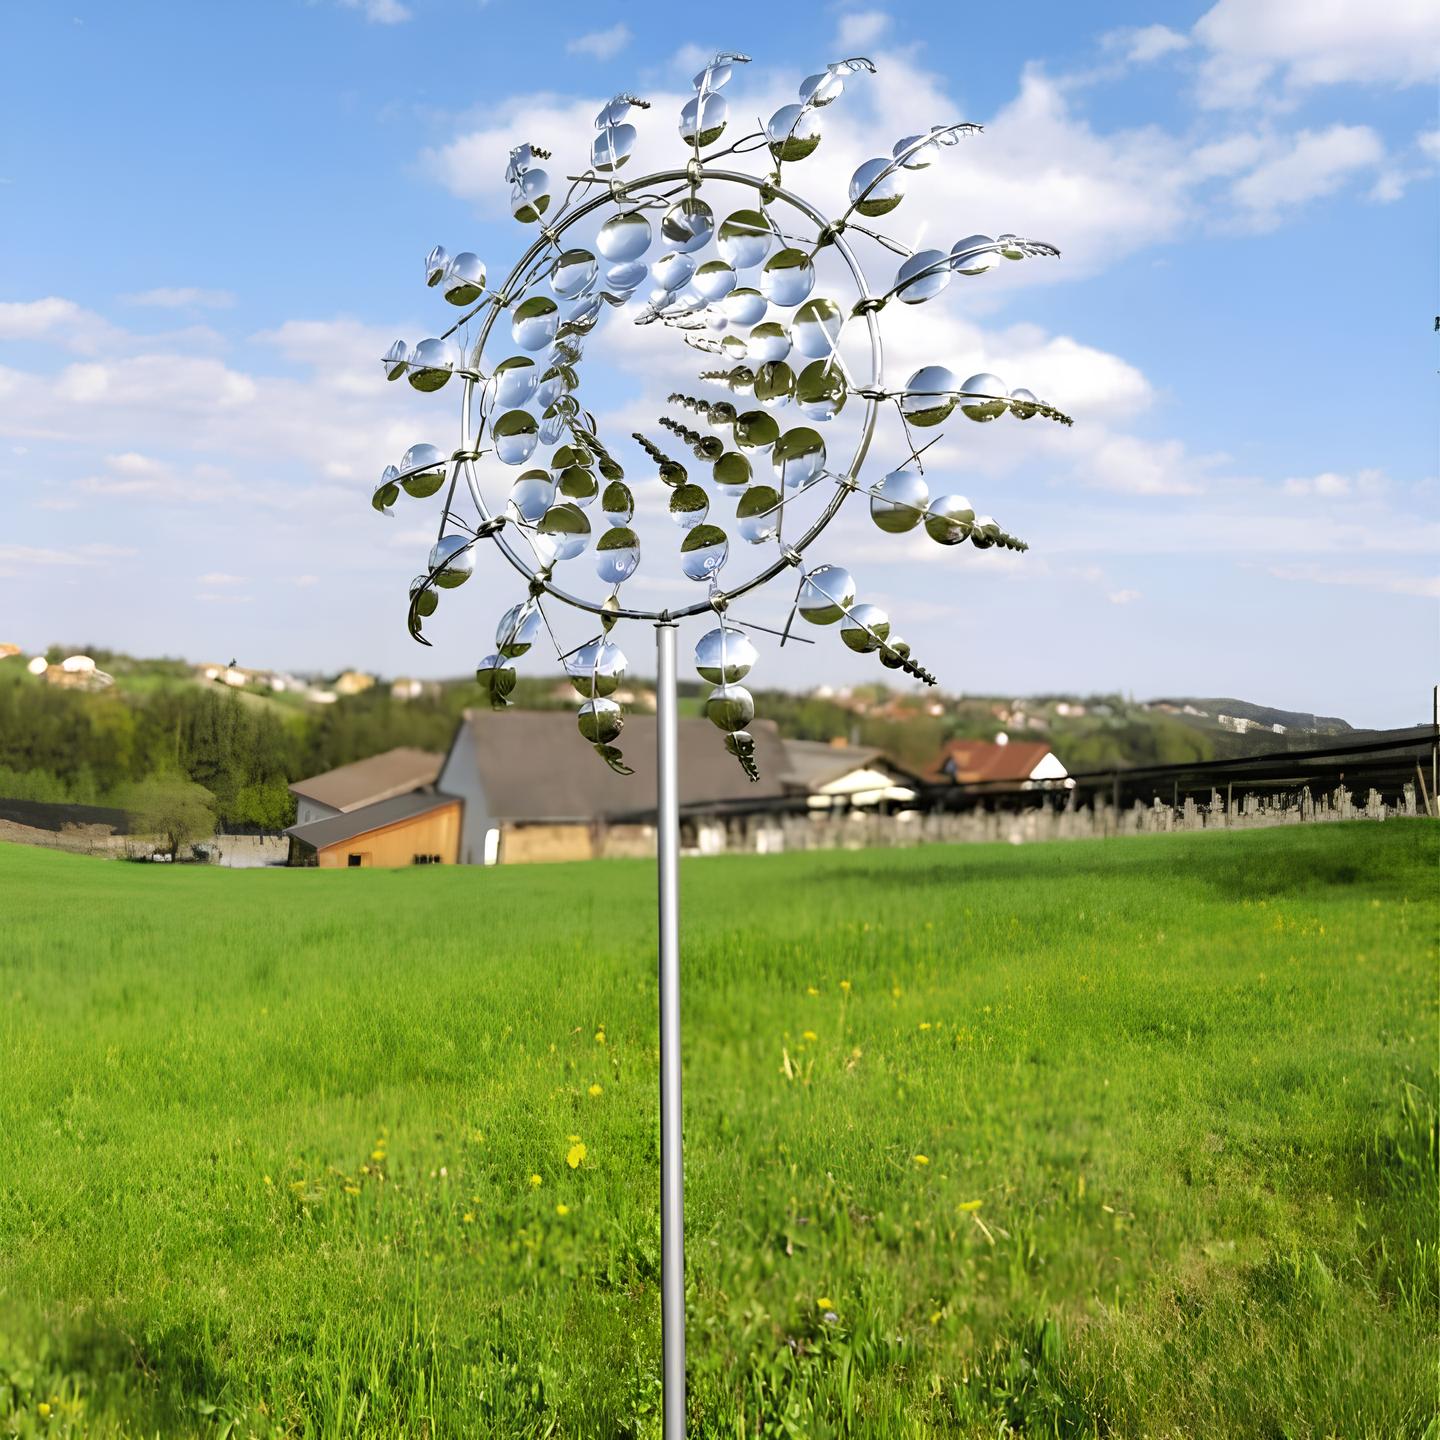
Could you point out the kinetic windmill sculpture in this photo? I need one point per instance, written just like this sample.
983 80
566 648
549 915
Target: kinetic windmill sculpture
768 302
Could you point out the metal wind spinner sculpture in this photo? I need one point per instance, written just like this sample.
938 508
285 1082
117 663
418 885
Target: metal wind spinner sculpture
771 311
773 307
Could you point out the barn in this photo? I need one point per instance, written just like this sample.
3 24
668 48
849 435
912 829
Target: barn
383 811
534 790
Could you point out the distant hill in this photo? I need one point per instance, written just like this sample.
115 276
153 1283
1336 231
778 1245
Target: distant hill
1261 714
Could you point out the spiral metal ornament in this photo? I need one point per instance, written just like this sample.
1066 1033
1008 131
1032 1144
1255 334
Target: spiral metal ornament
772 310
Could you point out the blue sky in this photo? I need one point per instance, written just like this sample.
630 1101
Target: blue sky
214 217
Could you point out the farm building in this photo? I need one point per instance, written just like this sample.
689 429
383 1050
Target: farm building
1017 764
366 782
533 790
418 828
841 777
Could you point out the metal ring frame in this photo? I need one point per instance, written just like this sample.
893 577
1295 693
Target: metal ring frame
691 176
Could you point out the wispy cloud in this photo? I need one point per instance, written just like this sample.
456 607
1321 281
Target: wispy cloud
600 44
379 12
861 28
182 297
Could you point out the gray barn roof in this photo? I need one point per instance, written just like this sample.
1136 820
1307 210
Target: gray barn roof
335 828
533 765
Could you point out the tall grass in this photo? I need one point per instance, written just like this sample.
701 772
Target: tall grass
1115 1138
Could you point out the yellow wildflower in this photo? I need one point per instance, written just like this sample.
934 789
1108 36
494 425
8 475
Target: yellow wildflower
377 1154
895 991
845 986
44 1409
562 1209
534 1179
574 1155
972 1205
825 1303
934 1317
811 990
924 1024
922 1159
468 1217
352 1189
597 1089
600 1037
267 1179
810 1035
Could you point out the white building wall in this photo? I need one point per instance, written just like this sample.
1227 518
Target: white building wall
459 776
308 810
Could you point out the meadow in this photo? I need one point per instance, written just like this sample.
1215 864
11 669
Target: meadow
1117 1138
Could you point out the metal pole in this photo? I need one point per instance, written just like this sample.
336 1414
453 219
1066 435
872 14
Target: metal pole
672 1163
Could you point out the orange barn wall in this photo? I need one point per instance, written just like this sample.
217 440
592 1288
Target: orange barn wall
435 833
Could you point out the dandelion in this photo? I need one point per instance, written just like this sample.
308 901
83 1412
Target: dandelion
824 1303
810 1035
970 1206
845 986
534 1179
562 1209
596 1090
468 1217
811 990
935 1317
352 1189
267 1180
922 1159
574 1155
924 1024
44 1409
895 992
377 1154
600 1037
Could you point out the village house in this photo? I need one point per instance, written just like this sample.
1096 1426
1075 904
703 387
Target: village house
999 764
838 776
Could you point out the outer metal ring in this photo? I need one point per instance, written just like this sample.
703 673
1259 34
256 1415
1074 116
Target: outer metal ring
690 175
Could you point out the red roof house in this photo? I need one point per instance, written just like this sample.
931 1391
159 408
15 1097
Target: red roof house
1022 764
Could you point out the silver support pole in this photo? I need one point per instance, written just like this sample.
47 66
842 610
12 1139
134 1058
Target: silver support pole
672 1163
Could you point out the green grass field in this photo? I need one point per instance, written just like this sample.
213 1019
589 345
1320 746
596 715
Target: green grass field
1128 1138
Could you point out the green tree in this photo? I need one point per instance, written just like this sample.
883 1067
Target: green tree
177 811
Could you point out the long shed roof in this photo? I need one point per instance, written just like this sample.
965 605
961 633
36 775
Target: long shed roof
533 765
336 828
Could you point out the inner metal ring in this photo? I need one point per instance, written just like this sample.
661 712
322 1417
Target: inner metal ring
877 361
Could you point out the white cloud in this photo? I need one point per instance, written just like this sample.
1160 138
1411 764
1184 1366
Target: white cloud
1312 164
42 319
133 463
1386 580
379 12
860 28
600 44
219 577
1140 45
1123 597
182 297
1271 49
